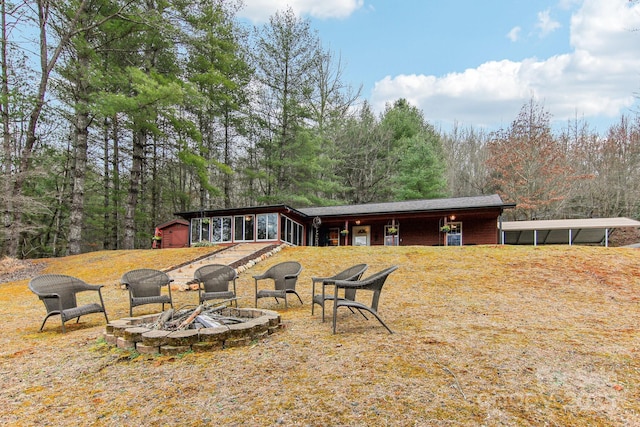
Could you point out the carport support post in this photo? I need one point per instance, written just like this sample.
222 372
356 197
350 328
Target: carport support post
570 237
606 237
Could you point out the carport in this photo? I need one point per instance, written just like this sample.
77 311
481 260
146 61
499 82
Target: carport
590 231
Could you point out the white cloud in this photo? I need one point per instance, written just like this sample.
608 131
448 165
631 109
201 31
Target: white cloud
514 34
598 77
546 24
260 10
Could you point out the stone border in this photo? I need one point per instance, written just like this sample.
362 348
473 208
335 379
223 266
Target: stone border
239 266
128 333
248 262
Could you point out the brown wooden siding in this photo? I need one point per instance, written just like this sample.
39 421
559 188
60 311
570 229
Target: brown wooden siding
478 228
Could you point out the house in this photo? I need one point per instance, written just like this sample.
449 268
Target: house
432 222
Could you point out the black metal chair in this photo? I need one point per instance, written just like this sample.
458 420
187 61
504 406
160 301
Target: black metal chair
352 273
58 293
373 283
145 287
284 275
214 282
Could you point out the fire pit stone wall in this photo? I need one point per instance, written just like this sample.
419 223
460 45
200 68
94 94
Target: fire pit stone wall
134 333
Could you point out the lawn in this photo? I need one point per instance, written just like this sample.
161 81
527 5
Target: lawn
484 335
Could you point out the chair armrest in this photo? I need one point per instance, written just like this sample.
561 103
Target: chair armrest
291 276
344 284
88 287
261 276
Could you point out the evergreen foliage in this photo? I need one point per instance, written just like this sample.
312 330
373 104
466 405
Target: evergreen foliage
135 111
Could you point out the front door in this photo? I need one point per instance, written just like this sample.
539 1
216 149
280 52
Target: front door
361 235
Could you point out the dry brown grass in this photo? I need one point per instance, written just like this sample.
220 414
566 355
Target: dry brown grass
484 336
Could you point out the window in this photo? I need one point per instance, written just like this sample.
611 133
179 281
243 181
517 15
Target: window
267 226
391 235
243 227
221 229
454 235
200 229
291 231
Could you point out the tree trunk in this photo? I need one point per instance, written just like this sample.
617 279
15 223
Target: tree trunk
115 195
106 187
76 216
7 161
139 139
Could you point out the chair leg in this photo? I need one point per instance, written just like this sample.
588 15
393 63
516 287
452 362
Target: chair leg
43 322
47 318
380 320
292 291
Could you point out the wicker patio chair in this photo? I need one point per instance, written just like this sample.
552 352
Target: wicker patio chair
58 293
214 281
372 283
145 287
284 275
352 273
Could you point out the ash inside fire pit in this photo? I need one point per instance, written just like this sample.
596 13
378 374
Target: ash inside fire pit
201 329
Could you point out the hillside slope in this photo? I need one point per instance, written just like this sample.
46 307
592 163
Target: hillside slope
483 336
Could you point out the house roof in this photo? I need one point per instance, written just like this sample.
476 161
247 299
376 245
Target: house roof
410 206
173 221
563 231
238 211
427 205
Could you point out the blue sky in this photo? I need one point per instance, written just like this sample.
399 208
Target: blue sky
477 63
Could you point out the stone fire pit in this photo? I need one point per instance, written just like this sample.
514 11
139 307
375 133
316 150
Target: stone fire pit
145 336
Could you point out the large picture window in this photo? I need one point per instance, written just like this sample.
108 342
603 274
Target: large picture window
291 231
267 226
243 228
200 230
221 229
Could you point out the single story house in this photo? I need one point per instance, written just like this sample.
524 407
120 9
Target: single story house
433 222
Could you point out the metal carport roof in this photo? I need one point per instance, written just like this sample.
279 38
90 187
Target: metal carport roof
563 231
